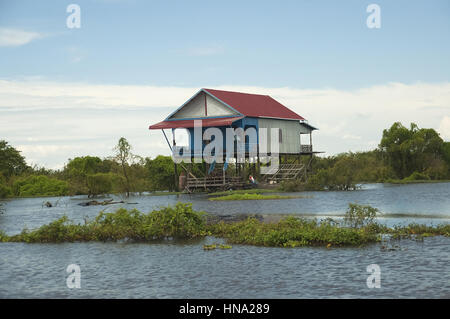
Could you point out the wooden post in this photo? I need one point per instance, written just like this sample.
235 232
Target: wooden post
206 107
174 162
258 163
223 176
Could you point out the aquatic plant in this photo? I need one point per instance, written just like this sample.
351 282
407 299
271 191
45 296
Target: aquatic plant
247 196
244 191
291 232
415 230
5 191
40 185
179 221
3 236
359 215
182 222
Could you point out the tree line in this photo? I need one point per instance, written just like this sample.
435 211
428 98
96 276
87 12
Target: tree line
123 172
404 154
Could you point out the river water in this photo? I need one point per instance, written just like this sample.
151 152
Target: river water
185 270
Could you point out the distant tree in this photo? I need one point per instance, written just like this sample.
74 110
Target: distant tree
160 173
11 162
40 185
410 150
5 191
78 170
100 183
446 152
125 158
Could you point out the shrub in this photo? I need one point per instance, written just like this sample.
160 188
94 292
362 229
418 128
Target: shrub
176 222
313 183
417 176
40 185
182 222
5 191
291 232
100 183
358 216
246 196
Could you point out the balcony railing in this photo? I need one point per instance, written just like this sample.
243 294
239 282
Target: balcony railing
305 148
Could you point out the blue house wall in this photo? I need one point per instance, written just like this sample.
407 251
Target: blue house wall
243 123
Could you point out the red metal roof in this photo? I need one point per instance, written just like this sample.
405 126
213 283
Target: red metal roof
251 105
254 105
190 123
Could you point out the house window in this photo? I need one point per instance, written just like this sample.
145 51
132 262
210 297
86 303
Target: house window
280 135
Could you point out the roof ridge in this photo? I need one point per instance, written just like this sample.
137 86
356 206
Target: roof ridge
236 92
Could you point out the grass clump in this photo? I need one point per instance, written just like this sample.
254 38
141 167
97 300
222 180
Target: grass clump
164 193
358 228
244 191
40 185
414 181
419 230
247 196
292 232
360 216
179 222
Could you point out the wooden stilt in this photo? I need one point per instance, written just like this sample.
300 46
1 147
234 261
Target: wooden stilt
174 163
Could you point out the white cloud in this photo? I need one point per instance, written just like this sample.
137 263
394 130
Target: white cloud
14 37
42 116
444 128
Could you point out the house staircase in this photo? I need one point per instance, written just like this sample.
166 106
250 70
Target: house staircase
285 172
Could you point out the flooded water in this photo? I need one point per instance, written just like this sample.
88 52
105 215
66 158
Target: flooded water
184 270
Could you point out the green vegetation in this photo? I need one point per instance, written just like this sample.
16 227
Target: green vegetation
415 150
124 158
86 175
179 222
420 231
162 171
11 162
358 216
244 191
214 246
404 155
182 222
99 183
40 185
406 181
246 196
5 191
292 232
163 193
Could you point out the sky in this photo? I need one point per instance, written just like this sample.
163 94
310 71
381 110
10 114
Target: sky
67 92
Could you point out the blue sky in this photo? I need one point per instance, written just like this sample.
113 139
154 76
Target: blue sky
318 48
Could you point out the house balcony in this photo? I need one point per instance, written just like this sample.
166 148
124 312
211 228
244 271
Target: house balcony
307 149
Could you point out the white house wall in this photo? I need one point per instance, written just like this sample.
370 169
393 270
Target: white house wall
216 108
196 108
304 129
290 130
